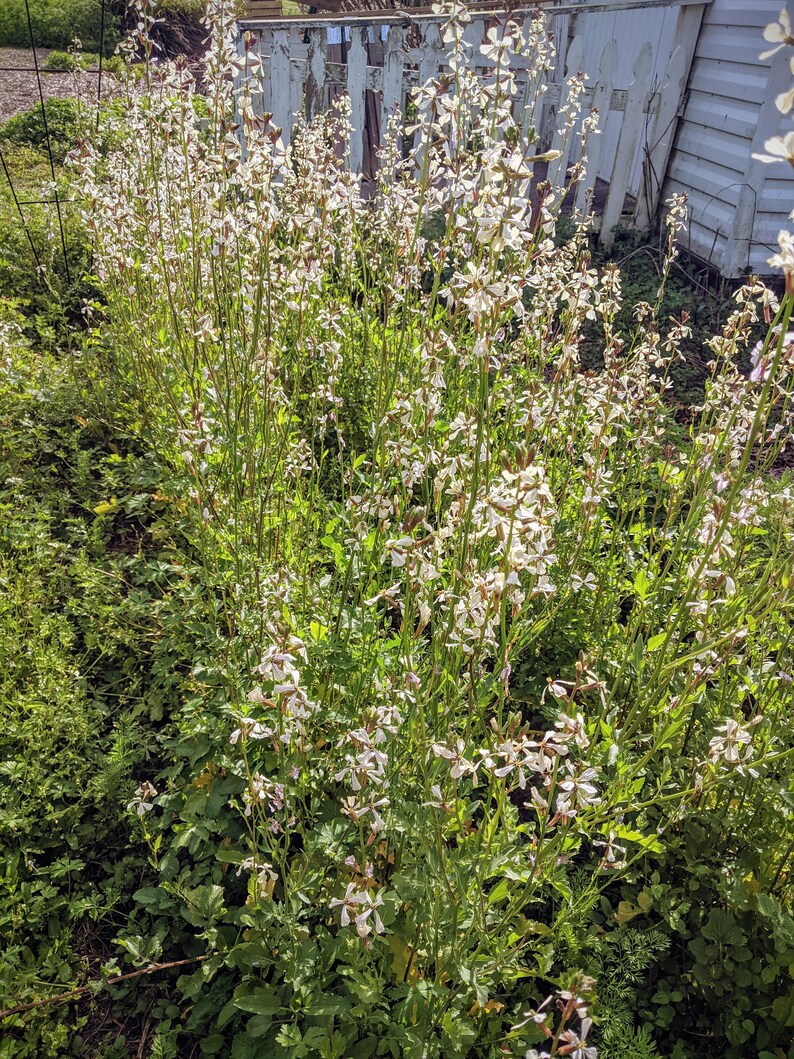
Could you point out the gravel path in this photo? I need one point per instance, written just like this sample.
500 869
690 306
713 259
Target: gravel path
19 89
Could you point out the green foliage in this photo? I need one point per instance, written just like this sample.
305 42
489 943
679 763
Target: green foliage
65 120
377 418
83 60
416 692
721 896
45 254
92 660
56 23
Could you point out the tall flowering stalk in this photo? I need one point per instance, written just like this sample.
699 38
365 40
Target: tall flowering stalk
484 621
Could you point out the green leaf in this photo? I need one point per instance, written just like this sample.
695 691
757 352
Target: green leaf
263 1002
328 1005
205 905
723 929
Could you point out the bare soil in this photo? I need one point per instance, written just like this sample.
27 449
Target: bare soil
19 89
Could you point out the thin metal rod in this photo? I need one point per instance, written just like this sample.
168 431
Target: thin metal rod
32 70
49 144
18 204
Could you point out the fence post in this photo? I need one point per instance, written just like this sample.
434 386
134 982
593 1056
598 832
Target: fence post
280 84
660 140
429 67
315 72
602 100
393 60
558 169
662 137
356 89
633 120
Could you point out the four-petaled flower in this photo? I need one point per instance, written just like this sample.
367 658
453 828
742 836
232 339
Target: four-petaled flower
732 743
358 907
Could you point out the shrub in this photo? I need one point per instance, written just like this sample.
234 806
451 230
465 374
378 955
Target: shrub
88 678
66 120
82 60
56 23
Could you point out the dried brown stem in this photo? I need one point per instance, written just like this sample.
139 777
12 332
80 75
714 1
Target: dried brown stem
79 992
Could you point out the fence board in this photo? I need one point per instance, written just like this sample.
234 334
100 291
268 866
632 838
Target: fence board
392 96
633 121
279 83
602 98
657 153
356 74
375 65
315 73
559 167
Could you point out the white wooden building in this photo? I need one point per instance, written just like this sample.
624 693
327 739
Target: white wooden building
737 204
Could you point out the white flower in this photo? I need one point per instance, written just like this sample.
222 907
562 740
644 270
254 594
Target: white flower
358 906
358 810
780 33
143 800
575 1046
579 789
438 800
785 259
728 744
779 148
588 582
459 765
610 857
250 729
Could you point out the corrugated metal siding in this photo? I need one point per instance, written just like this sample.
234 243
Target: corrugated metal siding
712 156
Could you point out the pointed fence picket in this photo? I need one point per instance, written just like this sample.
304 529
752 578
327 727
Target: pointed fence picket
300 80
602 98
634 117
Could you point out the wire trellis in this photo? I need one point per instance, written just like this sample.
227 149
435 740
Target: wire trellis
56 200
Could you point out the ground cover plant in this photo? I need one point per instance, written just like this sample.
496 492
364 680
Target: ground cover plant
95 591
484 745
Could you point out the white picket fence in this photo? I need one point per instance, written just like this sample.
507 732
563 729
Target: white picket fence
377 59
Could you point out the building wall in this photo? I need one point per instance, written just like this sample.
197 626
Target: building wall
736 205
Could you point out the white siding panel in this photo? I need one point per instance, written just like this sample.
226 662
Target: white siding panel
735 116
766 229
725 116
709 216
719 147
689 173
779 189
731 44
747 13
730 80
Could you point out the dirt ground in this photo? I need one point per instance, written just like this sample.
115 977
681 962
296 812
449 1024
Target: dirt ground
19 89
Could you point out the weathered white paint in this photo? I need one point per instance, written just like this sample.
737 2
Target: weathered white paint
602 97
356 81
630 30
633 121
737 205
637 120
315 74
657 151
559 167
